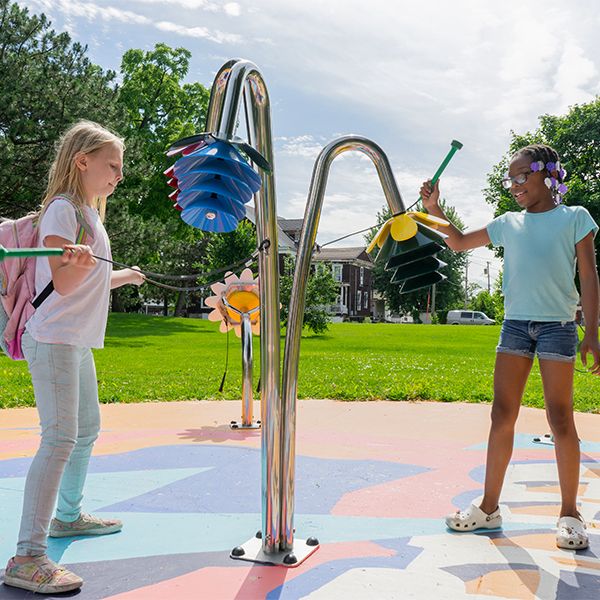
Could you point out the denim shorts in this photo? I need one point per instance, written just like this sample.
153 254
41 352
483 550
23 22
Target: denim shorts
550 340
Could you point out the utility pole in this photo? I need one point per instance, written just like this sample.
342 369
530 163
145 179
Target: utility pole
487 272
466 282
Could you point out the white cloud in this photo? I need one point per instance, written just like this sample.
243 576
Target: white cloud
91 12
233 9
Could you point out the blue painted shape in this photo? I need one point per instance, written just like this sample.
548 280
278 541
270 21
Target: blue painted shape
465 499
320 483
578 586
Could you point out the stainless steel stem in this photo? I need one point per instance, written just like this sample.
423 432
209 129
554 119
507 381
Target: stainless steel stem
237 77
246 334
291 357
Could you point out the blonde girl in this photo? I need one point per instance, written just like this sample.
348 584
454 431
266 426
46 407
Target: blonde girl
57 345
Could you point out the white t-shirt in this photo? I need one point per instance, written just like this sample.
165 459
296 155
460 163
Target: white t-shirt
79 318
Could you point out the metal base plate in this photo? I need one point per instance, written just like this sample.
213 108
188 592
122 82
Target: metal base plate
240 425
253 552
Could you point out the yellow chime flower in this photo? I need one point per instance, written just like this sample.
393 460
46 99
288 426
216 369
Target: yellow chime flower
404 226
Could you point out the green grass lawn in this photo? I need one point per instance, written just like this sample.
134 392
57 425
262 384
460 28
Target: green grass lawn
156 358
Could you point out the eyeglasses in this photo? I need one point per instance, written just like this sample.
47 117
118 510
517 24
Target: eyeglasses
519 179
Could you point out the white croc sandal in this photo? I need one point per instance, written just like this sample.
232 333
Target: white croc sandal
474 518
571 534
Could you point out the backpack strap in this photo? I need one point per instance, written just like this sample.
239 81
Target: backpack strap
42 295
84 231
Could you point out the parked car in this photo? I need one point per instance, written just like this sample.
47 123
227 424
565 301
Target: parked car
468 317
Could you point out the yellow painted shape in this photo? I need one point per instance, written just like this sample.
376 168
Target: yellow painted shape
592 472
403 228
533 541
551 510
243 301
519 585
577 562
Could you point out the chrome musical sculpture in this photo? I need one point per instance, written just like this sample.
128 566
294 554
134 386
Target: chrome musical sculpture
241 82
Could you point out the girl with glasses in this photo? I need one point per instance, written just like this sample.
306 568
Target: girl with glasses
542 244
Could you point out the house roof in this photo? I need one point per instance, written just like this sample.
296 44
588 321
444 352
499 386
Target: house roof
354 253
290 224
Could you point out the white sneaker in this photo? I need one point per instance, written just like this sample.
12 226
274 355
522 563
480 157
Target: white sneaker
571 534
474 518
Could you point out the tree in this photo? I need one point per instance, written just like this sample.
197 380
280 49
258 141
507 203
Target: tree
575 137
448 293
321 290
158 109
47 83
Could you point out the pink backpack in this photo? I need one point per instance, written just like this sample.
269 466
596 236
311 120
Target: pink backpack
17 277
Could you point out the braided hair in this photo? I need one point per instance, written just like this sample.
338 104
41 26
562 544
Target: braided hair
547 160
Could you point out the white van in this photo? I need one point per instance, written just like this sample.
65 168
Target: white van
468 317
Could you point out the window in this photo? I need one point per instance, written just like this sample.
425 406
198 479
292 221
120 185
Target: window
345 296
358 298
366 300
336 271
362 276
466 315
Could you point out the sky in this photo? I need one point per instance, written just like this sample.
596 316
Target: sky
411 76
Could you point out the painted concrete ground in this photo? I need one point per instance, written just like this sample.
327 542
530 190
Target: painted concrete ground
373 483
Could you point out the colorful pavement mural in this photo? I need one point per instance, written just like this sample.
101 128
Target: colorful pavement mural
373 483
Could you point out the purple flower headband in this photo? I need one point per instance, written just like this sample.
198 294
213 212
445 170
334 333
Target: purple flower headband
556 186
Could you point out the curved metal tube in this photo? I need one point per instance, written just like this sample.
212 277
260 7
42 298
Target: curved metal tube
234 79
247 405
291 357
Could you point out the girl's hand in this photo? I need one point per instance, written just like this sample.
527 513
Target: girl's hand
136 277
430 195
590 346
78 255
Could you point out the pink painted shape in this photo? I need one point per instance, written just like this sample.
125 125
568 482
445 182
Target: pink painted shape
247 581
429 494
426 495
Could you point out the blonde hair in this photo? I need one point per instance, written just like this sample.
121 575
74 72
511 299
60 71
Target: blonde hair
64 177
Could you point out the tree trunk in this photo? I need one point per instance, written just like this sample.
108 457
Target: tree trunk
117 304
165 306
180 305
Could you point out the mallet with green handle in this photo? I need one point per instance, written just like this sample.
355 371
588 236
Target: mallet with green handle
25 252
455 145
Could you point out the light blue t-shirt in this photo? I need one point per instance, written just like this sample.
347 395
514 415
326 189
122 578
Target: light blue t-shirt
539 261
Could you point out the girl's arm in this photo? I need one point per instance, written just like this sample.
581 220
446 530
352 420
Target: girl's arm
588 279
457 240
70 269
125 276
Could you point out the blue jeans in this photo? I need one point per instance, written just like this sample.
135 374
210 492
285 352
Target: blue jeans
66 395
550 340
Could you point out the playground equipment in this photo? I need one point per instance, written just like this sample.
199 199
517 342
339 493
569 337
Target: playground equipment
240 82
236 305
408 243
